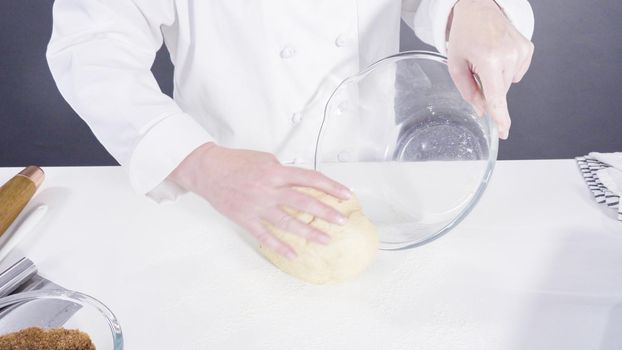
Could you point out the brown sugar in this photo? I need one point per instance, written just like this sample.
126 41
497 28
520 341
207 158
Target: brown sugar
50 339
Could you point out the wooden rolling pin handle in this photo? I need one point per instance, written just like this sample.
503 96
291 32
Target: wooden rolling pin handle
15 194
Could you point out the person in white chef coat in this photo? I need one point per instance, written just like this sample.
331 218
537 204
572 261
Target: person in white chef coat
244 71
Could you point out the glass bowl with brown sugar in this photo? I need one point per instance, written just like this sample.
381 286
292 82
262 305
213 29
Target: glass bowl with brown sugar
57 320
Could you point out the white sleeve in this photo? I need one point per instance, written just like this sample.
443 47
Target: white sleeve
429 20
100 56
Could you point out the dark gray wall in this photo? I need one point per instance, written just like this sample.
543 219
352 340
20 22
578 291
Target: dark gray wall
567 105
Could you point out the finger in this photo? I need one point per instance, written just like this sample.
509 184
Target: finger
314 179
266 239
307 204
495 90
524 66
281 219
462 76
508 76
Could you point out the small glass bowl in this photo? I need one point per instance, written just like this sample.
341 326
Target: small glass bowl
415 153
61 308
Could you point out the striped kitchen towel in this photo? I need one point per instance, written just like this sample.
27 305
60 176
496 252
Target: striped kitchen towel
592 170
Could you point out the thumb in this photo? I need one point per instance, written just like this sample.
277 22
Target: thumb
496 104
462 76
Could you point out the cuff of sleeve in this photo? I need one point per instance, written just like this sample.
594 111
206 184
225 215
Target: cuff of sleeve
162 148
520 13
439 13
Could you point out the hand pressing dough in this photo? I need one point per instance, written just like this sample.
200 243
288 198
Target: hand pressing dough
351 249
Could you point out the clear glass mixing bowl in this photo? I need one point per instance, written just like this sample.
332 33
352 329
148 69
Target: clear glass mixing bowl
61 308
413 151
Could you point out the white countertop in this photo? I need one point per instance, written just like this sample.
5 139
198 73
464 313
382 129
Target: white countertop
537 265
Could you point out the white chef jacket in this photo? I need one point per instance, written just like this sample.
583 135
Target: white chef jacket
248 73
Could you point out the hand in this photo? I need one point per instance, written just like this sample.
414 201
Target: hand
251 188
483 42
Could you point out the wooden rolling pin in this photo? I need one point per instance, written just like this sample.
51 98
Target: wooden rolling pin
15 194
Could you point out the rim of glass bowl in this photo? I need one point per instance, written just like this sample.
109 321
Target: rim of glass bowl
492 151
74 297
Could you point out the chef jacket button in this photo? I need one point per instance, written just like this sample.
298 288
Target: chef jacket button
343 107
288 52
296 117
340 41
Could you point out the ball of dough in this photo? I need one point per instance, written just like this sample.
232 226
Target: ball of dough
351 249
